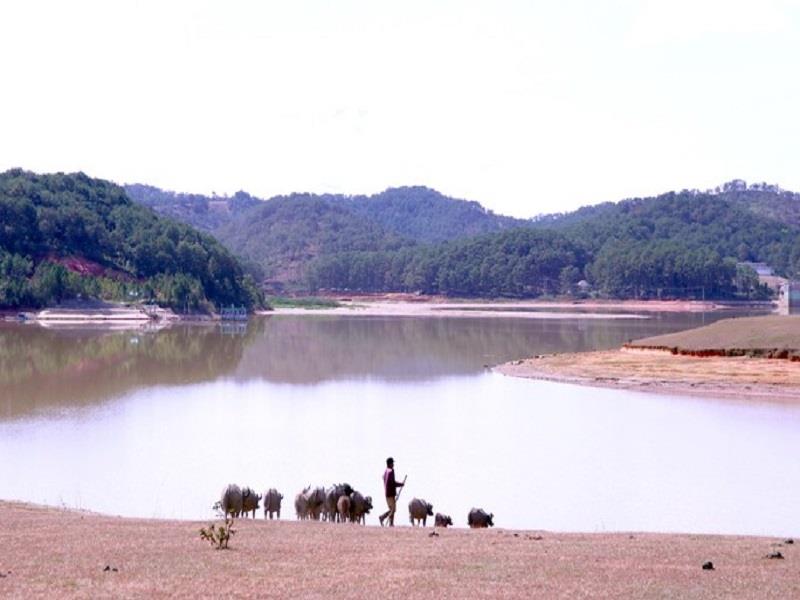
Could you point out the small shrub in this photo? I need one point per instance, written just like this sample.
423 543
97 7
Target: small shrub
218 536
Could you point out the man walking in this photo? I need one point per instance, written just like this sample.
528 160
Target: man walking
390 486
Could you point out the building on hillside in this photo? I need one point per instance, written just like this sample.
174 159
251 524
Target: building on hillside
789 298
773 282
761 269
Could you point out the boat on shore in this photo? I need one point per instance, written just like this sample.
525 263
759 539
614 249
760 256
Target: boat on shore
102 312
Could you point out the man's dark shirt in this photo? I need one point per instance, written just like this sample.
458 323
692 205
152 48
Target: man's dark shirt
389 483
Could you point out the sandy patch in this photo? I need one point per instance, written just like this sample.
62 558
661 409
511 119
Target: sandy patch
503 310
660 371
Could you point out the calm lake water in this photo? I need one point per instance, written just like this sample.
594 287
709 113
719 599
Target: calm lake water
153 424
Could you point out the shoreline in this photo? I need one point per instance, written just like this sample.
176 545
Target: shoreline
385 305
448 308
656 371
593 303
66 552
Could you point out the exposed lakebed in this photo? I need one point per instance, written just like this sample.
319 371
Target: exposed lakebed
154 423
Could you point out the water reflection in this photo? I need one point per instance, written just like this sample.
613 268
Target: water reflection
43 369
323 348
153 423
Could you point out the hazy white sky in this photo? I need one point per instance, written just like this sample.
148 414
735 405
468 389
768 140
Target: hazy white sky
526 107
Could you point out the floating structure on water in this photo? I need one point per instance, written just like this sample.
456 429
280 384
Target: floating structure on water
73 315
233 313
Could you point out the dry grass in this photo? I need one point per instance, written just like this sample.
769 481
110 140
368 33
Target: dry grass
55 553
746 333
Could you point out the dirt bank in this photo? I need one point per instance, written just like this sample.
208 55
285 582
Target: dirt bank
657 371
48 552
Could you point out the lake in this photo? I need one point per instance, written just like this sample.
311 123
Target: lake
155 423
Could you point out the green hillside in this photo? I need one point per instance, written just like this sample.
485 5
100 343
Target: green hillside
202 212
516 263
683 244
283 235
417 213
681 240
425 215
278 238
67 235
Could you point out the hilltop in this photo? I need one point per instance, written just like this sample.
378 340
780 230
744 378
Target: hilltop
415 213
202 212
68 236
761 199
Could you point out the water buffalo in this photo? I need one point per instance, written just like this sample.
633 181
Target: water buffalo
441 520
359 507
250 501
301 504
343 506
231 501
315 500
419 510
332 498
478 518
272 503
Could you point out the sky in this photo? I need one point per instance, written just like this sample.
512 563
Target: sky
528 107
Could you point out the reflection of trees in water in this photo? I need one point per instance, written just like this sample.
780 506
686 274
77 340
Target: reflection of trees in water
314 349
43 368
47 368
605 334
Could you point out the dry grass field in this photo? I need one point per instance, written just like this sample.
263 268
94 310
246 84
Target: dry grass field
748 334
53 553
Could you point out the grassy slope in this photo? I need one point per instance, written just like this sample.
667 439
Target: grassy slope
767 332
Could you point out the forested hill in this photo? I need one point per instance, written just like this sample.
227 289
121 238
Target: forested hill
197 210
728 226
64 236
675 245
414 239
425 215
417 213
278 238
762 199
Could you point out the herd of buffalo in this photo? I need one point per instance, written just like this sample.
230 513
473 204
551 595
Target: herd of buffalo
339 503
